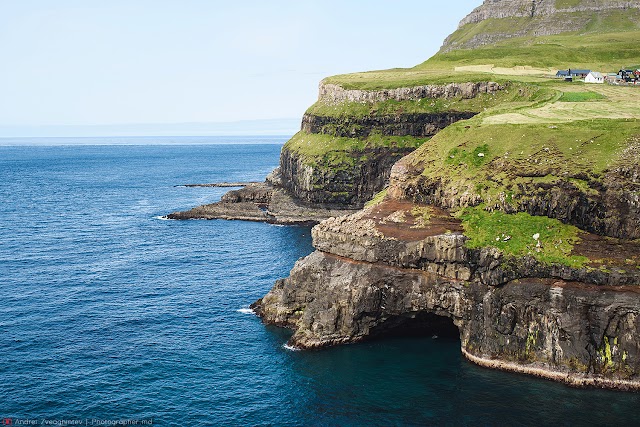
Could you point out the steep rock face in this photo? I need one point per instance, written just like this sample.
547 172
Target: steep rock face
406 263
359 173
331 179
555 329
534 17
351 184
332 94
390 266
419 125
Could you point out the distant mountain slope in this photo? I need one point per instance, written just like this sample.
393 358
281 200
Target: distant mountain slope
498 20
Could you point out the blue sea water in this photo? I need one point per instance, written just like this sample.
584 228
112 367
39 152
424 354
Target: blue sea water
109 312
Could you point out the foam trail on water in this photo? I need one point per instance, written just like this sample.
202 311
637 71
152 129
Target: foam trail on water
163 218
245 311
290 347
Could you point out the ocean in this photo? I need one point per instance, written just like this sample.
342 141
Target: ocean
112 316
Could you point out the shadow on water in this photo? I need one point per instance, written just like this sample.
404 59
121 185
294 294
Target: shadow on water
413 373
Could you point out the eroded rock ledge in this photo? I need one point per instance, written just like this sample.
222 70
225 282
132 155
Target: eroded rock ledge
307 188
385 268
262 202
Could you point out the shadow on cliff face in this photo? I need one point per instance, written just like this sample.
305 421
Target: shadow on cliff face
421 324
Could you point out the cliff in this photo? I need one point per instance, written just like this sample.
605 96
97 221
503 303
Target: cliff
514 220
398 266
348 142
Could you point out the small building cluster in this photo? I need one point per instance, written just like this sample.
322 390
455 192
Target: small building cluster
588 76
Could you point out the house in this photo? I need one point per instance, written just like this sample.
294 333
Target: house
570 74
594 77
579 73
612 78
627 75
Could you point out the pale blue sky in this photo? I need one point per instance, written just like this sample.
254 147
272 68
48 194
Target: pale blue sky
90 62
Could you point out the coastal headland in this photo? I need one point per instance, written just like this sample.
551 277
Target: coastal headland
475 194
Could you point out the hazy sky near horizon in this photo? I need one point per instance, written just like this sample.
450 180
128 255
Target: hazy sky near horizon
90 62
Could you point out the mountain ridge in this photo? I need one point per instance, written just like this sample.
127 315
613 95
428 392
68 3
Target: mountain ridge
498 20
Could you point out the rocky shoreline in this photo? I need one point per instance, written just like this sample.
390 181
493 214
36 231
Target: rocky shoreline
261 202
371 275
220 184
520 239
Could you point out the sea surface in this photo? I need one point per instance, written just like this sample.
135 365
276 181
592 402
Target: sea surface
111 313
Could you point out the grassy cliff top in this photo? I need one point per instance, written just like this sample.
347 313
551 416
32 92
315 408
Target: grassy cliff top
514 93
320 150
522 58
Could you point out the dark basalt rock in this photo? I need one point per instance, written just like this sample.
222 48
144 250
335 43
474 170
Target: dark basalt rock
264 203
350 186
384 269
417 125
567 331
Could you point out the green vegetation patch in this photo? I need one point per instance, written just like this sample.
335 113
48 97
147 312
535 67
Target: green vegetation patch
606 42
513 92
505 165
547 240
476 157
568 150
421 216
339 152
377 199
564 4
596 50
580 97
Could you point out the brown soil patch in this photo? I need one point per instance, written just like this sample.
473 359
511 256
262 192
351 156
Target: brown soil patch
410 229
608 252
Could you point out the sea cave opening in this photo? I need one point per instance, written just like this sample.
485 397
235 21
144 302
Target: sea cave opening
421 324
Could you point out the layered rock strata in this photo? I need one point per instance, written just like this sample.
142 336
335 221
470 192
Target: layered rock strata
332 94
310 188
534 18
386 268
420 125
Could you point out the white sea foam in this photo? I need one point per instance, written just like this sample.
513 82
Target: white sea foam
245 311
290 347
162 218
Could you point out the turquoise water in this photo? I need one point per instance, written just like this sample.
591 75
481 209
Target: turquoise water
112 313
